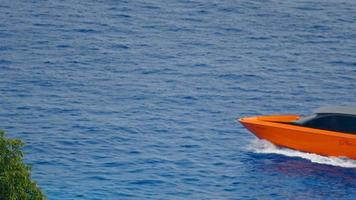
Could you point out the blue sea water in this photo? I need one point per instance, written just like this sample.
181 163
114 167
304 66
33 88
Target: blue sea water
139 99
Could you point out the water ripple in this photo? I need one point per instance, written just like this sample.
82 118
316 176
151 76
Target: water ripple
138 99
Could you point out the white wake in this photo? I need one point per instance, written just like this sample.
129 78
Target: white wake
262 146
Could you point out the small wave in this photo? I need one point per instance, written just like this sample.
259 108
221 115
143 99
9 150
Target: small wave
265 147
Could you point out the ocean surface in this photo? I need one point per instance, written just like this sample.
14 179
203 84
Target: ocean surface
139 99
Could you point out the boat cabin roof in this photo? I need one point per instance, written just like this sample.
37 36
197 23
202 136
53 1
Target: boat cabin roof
337 118
344 110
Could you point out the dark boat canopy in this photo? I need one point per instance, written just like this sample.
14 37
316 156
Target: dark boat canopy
337 118
343 110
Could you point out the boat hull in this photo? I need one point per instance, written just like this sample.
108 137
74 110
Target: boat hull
277 130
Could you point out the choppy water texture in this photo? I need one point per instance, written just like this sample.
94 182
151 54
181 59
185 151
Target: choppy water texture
138 99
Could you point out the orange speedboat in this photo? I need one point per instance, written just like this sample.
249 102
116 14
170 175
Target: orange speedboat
330 131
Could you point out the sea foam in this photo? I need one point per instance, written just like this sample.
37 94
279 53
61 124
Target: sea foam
265 147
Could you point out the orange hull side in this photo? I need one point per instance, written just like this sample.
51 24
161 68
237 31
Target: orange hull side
300 138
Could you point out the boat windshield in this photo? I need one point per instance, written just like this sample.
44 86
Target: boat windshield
331 122
305 119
